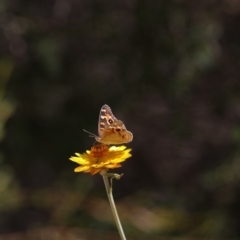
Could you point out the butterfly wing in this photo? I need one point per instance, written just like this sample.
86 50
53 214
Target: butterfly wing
106 118
110 129
116 133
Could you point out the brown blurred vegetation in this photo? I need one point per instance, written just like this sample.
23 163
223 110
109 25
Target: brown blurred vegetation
169 69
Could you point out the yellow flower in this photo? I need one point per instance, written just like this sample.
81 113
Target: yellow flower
101 158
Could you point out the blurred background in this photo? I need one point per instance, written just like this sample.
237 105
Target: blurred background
169 69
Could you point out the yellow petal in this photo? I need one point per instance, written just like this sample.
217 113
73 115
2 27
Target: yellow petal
79 160
81 168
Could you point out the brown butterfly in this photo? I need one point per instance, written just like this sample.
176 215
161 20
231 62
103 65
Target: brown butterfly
110 129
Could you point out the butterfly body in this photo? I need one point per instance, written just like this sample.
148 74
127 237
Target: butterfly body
110 129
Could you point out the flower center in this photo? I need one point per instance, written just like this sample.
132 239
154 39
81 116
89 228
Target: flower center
99 150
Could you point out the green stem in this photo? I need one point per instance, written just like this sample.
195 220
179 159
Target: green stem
112 205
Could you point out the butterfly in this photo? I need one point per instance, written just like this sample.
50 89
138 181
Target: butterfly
110 129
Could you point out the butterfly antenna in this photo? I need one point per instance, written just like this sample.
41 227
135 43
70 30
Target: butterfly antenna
91 134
